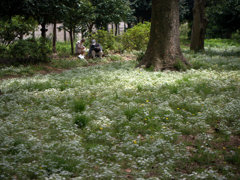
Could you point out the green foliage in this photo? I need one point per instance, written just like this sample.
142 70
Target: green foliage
130 112
30 51
140 56
184 31
81 121
172 125
223 18
141 9
16 27
137 37
3 51
105 38
236 35
108 11
79 105
180 66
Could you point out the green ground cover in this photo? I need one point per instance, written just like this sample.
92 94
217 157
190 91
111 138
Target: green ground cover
115 121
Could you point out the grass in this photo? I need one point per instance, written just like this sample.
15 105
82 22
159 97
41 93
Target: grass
113 121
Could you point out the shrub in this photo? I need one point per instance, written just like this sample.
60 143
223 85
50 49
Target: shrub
30 50
3 51
79 105
15 28
106 39
137 37
140 56
81 121
184 31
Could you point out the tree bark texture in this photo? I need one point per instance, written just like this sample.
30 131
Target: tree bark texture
54 37
71 40
163 51
199 26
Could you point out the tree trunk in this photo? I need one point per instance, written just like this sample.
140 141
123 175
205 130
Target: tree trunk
65 35
116 29
21 36
43 30
54 37
163 51
74 35
33 34
125 27
71 39
90 27
129 25
199 26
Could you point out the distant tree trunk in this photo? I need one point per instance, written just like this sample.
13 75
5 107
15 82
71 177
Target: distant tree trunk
33 34
112 28
54 37
90 27
71 40
43 30
163 51
125 27
199 26
21 37
116 29
74 35
129 25
65 35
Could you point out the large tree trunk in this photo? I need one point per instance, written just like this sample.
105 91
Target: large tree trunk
163 51
71 39
54 37
199 25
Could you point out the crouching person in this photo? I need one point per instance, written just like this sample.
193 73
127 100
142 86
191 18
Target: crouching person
80 49
95 50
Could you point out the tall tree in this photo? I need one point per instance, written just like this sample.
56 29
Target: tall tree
223 17
163 51
110 11
76 12
141 9
199 26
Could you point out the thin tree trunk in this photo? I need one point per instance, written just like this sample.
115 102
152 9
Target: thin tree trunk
74 35
54 37
129 25
21 37
43 30
71 40
163 51
199 26
116 29
33 34
65 35
90 27
125 27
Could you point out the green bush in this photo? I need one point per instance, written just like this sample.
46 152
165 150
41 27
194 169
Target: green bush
236 35
63 49
15 28
81 121
137 37
3 51
106 39
184 31
79 105
30 51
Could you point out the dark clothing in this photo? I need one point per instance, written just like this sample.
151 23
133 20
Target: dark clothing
97 48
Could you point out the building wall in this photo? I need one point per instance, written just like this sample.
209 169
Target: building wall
60 33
